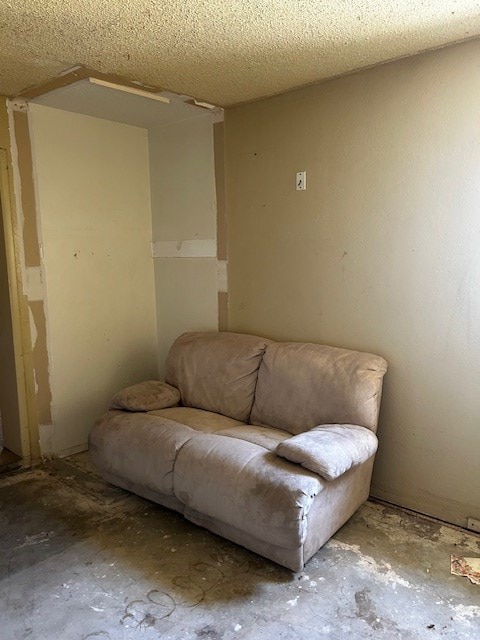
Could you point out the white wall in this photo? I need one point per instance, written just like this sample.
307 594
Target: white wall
183 208
93 193
381 253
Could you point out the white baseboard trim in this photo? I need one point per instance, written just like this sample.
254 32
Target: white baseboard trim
72 450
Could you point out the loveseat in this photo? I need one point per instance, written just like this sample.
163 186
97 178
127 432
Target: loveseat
269 444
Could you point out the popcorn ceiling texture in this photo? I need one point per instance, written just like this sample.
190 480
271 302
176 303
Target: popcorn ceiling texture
223 51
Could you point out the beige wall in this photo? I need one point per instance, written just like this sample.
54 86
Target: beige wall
381 253
93 199
183 208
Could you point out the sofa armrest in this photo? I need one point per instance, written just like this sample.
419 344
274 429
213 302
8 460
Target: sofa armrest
330 450
146 396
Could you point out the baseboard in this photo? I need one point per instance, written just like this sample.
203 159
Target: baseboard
449 511
70 451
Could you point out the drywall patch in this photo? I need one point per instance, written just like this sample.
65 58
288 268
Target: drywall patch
75 74
34 289
27 196
19 104
222 311
33 334
222 276
222 237
40 362
129 89
218 115
47 440
219 165
195 248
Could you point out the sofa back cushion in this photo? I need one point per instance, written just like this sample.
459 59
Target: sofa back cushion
303 385
216 371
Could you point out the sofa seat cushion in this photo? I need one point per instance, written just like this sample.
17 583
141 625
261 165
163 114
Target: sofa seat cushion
302 385
138 447
216 371
198 419
246 486
146 396
330 450
265 437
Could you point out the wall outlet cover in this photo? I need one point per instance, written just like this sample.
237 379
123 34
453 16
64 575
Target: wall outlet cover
473 524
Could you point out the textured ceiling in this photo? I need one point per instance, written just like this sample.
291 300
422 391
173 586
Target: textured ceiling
222 51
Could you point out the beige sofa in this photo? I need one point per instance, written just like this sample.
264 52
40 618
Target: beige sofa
269 444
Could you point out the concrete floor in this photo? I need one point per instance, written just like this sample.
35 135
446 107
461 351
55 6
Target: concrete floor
80 559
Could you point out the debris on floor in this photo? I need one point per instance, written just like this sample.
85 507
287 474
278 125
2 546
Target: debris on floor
83 559
467 567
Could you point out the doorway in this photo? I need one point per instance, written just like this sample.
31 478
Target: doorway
11 450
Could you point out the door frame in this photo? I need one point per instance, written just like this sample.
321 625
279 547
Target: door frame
20 320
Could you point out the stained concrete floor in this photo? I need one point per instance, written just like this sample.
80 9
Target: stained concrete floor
81 559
